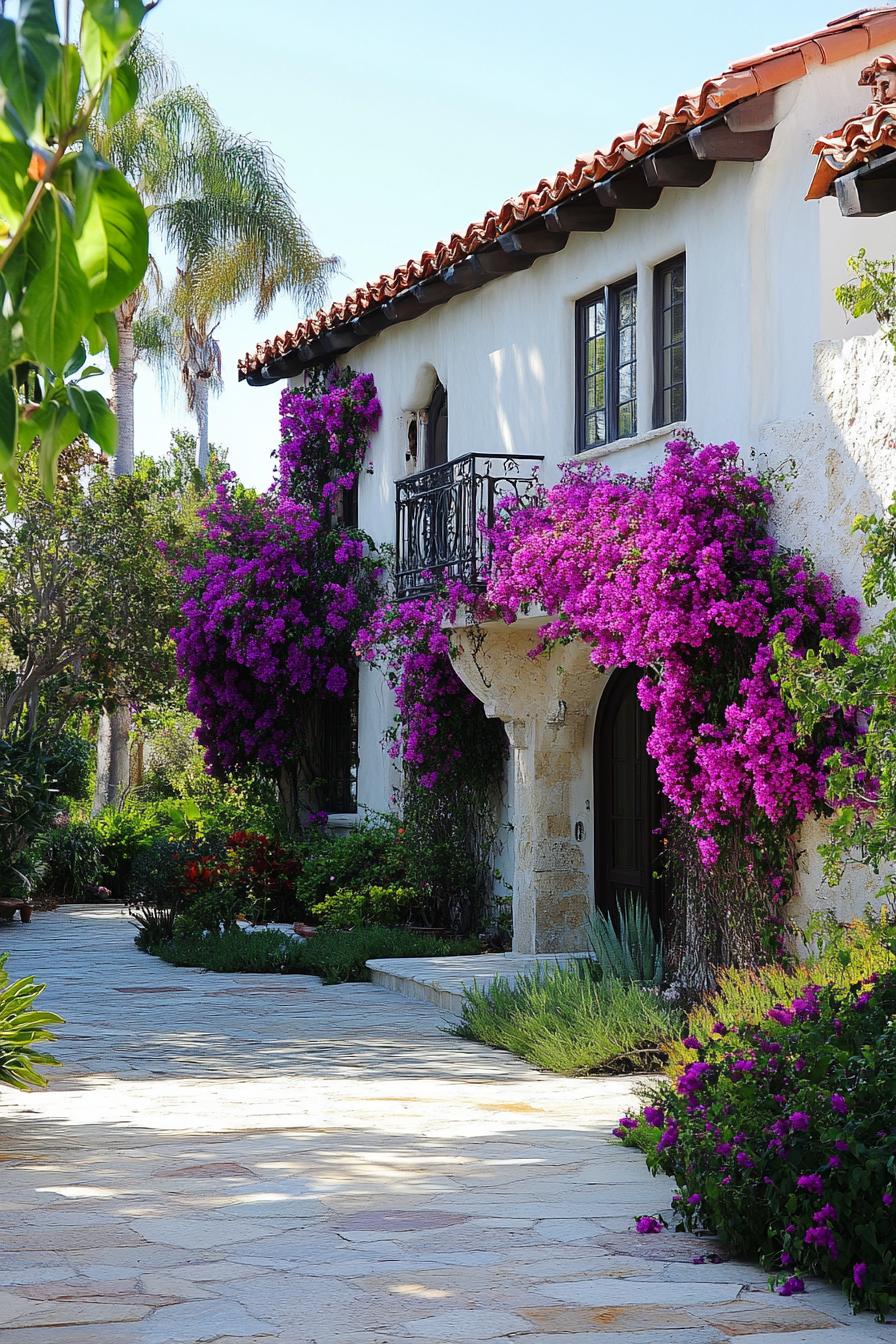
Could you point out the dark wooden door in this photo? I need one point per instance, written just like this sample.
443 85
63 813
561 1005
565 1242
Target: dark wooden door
628 809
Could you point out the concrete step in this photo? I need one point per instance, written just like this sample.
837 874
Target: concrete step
442 980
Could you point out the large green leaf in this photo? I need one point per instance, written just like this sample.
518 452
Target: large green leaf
29 55
57 426
120 19
14 160
61 96
9 421
113 248
86 168
108 329
121 93
57 302
94 417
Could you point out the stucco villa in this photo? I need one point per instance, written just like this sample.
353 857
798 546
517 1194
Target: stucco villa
679 278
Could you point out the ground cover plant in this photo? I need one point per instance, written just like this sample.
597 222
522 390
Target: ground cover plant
334 955
571 1020
793 1116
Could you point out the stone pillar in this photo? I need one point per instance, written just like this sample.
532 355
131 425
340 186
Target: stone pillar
547 705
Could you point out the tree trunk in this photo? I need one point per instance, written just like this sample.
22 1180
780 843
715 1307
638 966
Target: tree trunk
112 758
200 408
113 733
123 379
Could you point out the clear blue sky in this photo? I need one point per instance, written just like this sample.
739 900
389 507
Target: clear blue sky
400 122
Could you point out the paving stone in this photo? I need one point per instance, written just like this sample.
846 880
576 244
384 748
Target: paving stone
251 1160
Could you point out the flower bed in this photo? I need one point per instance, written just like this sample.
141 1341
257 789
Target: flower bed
782 1139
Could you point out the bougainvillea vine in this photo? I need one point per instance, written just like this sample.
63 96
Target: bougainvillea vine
677 573
274 602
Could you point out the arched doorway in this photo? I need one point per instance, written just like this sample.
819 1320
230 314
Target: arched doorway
627 801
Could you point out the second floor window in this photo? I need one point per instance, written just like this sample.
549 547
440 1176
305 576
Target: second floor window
606 356
670 401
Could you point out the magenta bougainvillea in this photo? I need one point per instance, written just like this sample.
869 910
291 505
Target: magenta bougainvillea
677 573
274 603
409 641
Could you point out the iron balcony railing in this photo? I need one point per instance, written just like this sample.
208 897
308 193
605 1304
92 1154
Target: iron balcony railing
438 537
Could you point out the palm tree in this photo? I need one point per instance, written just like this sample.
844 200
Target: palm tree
218 203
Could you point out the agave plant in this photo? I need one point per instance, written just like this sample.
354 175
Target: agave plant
626 946
21 1027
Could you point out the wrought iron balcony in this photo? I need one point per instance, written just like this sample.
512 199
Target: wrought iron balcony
437 516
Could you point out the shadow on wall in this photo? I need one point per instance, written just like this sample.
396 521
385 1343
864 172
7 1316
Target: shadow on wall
841 462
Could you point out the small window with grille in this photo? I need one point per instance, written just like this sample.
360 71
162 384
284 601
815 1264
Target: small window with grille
670 371
607 366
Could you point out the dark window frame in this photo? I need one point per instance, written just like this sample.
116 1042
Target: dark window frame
609 295
660 389
338 793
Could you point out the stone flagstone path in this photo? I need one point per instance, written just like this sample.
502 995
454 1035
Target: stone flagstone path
261 1159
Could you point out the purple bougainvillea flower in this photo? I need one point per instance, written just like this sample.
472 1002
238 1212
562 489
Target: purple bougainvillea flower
782 1015
811 1182
690 1042
694 1199
859 1274
654 1117
838 1103
719 1029
646 1225
800 1120
791 1286
887 1199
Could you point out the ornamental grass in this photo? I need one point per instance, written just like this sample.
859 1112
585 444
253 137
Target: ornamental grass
568 1021
781 1138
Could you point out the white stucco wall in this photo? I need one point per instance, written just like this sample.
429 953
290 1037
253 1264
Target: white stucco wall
772 362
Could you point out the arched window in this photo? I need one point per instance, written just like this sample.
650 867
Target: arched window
437 428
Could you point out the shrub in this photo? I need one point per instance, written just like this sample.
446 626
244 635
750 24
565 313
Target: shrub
333 955
254 877
569 1021
348 908
372 854
121 833
33 778
780 1137
21 1027
73 861
627 948
159 871
838 955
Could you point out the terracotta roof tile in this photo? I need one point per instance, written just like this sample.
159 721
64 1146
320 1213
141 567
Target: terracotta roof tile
782 64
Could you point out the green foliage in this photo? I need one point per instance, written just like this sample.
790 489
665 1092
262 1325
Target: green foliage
779 1137
372 853
628 947
73 861
862 781
74 239
22 1026
873 291
87 600
334 955
33 778
349 907
569 1021
158 872
836 954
